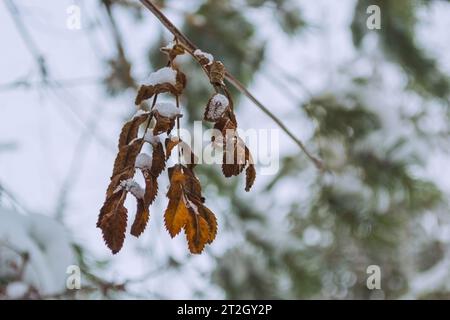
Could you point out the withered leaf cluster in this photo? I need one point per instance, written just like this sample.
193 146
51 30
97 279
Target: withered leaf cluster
186 209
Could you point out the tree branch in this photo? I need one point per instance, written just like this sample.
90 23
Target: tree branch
28 39
189 45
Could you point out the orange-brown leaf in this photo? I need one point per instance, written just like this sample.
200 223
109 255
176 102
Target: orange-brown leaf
210 218
192 185
197 233
176 214
186 209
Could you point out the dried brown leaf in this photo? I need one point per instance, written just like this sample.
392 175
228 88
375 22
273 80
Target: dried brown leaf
233 156
141 219
131 128
124 164
174 51
113 221
147 91
197 233
163 124
158 159
189 157
210 218
237 156
180 82
192 185
171 142
151 187
250 176
217 73
215 110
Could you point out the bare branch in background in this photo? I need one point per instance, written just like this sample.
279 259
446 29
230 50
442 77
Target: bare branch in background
28 39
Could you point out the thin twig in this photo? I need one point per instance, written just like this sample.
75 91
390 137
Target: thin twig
191 47
27 39
13 199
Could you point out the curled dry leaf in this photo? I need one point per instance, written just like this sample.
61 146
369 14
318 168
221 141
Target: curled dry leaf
188 156
151 187
173 50
129 147
147 91
236 155
233 161
171 142
197 232
142 211
150 174
222 126
187 211
112 219
217 73
124 164
131 128
163 123
216 107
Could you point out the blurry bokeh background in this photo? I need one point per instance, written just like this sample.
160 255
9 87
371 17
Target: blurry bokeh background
374 104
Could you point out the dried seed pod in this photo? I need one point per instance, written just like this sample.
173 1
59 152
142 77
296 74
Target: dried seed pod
217 73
